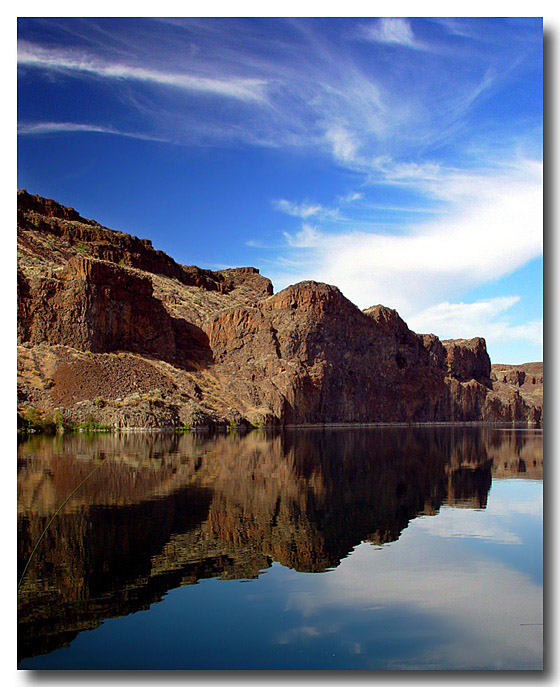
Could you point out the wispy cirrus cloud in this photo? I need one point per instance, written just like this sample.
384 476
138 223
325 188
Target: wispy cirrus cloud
350 197
304 210
450 188
30 55
308 237
297 87
344 144
392 31
39 128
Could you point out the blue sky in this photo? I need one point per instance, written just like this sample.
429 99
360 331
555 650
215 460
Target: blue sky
399 159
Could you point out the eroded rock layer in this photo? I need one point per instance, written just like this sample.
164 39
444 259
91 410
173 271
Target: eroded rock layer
114 331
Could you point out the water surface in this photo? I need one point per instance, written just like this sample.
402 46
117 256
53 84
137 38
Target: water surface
372 548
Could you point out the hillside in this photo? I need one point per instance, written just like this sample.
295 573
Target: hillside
113 331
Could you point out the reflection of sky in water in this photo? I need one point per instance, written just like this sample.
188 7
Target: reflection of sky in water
458 590
509 530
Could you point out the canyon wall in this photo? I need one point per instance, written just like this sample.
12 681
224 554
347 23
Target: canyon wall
112 330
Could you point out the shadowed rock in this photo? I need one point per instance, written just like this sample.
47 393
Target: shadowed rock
227 351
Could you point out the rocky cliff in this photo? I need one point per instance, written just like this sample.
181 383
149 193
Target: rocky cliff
114 331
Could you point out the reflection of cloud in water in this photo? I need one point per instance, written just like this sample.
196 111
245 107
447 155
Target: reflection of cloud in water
484 603
485 600
298 633
458 523
510 497
494 524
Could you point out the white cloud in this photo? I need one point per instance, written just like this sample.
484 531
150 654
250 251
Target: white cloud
473 596
492 224
30 55
507 501
482 599
452 522
39 128
344 147
299 87
350 197
482 318
302 210
392 31
308 237
455 27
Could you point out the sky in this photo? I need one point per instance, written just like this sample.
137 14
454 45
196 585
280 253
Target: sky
398 159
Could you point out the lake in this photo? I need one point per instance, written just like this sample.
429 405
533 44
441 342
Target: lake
384 548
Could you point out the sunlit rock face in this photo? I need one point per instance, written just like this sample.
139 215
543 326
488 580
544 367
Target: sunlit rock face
164 511
111 329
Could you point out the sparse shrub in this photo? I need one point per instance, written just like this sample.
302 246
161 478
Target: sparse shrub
91 425
34 421
132 399
33 414
58 418
182 429
82 248
152 396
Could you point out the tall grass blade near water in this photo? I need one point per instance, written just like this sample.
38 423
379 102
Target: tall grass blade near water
95 469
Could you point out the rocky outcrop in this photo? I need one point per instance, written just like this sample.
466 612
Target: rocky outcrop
467 359
99 307
525 380
45 218
247 278
221 348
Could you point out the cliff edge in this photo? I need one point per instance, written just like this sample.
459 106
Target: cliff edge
112 331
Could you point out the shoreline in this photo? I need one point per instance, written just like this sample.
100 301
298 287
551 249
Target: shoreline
242 429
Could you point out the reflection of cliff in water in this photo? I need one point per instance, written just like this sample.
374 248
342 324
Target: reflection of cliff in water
164 511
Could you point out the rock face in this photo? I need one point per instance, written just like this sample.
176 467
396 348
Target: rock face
468 359
525 380
99 307
96 308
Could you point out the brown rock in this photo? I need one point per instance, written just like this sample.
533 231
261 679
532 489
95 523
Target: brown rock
468 359
234 352
99 307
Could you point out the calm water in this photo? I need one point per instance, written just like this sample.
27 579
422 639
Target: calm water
381 548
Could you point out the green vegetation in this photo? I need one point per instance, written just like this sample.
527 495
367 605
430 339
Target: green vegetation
35 421
182 429
90 425
82 248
